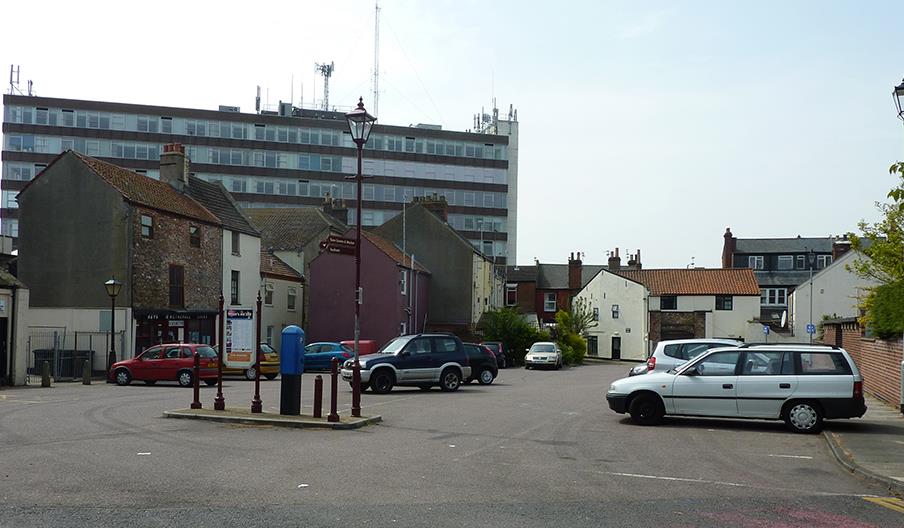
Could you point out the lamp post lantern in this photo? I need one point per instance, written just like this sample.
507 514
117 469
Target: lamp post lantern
113 287
360 124
898 94
811 258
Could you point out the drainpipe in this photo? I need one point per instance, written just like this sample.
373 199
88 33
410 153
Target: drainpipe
12 349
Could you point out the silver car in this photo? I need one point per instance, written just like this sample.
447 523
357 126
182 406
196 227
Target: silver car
543 354
674 353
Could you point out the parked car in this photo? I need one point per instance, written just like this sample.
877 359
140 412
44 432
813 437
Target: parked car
269 365
319 356
171 362
483 364
800 384
419 360
674 353
543 354
365 346
502 359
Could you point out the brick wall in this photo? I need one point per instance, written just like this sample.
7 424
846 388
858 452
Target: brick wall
170 245
879 360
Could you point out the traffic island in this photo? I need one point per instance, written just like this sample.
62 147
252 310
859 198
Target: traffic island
246 417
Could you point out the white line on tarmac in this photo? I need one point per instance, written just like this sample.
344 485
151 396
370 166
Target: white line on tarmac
730 484
792 456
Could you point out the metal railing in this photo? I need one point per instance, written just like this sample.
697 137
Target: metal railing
67 351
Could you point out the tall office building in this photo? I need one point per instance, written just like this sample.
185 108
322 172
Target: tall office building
286 158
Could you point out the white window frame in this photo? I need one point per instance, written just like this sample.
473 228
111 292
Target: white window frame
823 261
788 259
291 295
770 296
755 262
403 281
511 288
268 294
549 299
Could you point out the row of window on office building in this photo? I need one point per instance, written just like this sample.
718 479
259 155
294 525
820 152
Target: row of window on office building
250 131
789 262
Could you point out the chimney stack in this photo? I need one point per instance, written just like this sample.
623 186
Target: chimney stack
575 267
614 261
840 246
335 208
174 166
435 204
728 248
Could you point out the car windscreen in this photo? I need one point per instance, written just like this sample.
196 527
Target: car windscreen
267 349
206 352
543 347
394 346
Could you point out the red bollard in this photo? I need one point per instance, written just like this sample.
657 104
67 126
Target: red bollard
334 375
196 378
318 396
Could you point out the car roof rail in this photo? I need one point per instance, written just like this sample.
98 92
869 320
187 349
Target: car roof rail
823 345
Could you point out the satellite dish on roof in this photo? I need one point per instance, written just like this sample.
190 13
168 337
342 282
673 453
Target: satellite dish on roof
784 318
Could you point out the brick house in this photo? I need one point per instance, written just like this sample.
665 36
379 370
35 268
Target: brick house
879 360
87 221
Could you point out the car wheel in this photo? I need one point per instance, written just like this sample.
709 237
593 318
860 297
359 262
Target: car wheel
123 377
270 376
210 382
150 382
526 367
250 373
382 381
485 377
804 417
449 380
185 378
646 409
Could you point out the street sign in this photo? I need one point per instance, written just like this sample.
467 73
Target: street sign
338 245
811 328
766 329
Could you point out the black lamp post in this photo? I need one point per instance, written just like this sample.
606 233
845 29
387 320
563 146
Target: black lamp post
360 124
112 286
898 94
811 258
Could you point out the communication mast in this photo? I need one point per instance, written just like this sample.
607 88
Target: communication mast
327 71
377 58
14 82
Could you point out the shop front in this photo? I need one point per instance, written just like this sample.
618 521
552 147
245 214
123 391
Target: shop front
167 326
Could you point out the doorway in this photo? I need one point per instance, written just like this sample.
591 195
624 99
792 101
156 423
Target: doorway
616 347
4 356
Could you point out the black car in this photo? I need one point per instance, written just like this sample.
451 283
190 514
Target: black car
483 364
498 349
418 360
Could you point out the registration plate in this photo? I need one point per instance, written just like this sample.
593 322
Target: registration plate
211 365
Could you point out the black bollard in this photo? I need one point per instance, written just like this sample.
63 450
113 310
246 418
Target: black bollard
45 374
86 373
196 404
318 396
334 390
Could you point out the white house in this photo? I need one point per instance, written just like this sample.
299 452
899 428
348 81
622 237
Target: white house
700 303
619 307
283 298
835 292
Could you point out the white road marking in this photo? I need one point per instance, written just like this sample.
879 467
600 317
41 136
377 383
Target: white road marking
731 484
303 485
142 454
792 456
899 442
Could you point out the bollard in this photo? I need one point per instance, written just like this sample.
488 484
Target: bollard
318 396
45 374
196 379
86 373
334 375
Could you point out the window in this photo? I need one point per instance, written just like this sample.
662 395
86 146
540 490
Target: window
166 125
785 262
152 353
290 303
403 328
823 261
176 286
270 335
419 346
801 262
403 281
673 351
755 262
147 226
268 294
724 302
236 237
596 313
773 296
194 236
614 312
511 294
762 364
668 302
234 288
823 363
718 364
444 344
549 302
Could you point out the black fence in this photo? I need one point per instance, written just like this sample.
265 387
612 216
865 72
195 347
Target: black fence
67 351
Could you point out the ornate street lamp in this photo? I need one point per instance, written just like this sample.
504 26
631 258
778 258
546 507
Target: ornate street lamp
112 286
811 259
360 124
898 94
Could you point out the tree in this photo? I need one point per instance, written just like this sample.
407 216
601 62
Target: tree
883 243
508 325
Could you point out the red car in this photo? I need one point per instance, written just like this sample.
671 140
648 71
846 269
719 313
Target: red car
174 362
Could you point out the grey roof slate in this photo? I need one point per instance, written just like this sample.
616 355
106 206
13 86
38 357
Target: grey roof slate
216 199
291 228
555 276
521 273
783 245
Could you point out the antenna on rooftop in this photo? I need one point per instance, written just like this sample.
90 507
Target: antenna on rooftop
257 100
376 58
13 79
327 71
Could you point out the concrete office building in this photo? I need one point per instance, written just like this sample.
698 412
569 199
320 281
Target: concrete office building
294 157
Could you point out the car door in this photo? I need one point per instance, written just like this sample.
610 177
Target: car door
709 387
416 361
312 360
144 368
171 362
445 350
765 381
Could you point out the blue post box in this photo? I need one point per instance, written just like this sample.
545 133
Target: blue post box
291 366
291 355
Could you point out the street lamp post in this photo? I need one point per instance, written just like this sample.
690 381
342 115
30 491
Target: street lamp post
898 94
360 124
112 286
811 258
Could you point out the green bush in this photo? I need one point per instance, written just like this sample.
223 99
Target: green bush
508 326
573 346
885 310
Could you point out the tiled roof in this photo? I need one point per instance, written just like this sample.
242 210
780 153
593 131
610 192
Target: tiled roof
217 200
783 245
700 281
393 252
555 276
521 273
147 191
275 266
291 228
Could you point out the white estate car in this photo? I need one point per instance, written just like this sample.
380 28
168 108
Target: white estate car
676 352
543 354
800 384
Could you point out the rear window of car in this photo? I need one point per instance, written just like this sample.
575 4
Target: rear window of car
673 351
206 352
444 344
823 363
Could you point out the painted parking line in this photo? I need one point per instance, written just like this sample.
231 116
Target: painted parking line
892 503
803 457
736 485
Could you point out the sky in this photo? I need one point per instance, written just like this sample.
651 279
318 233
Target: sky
643 125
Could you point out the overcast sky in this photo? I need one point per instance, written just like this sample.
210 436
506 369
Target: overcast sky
650 125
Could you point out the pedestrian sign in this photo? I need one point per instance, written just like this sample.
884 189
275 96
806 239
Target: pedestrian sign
811 328
766 329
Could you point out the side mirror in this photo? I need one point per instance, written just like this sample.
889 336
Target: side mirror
691 372
404 353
